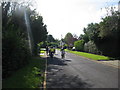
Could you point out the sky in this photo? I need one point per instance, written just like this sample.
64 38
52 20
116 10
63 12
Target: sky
63 16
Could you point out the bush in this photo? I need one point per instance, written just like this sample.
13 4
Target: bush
79 45
15 52
91 47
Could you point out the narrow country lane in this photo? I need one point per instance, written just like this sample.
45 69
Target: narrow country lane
78 72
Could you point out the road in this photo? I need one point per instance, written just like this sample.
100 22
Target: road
77 72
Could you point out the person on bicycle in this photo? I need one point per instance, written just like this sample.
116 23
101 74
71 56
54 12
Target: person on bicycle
62 53
51 51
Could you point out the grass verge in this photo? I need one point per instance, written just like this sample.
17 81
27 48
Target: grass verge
31 76
89 55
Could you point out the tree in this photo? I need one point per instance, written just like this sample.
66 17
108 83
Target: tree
69 39
92 31
84 37
50 38
104 36
15 51
15 41
39 29
109 33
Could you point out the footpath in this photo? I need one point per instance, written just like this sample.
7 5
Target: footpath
113 63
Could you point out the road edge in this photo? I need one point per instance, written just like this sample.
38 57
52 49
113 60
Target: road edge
98 61
45 74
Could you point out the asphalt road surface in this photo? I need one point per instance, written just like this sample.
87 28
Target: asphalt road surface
77 72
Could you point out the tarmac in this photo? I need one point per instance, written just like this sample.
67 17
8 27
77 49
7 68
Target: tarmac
113 63
79 72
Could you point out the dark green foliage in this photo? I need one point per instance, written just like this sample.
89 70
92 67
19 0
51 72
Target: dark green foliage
84 37
15 46
39 31
50 38
31 76
104 37
15 49
79 45
109 35
15 53
91 32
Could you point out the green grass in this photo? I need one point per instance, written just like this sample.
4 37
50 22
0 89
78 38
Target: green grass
89 55
31 76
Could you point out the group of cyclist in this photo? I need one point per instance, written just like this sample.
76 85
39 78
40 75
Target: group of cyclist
51 51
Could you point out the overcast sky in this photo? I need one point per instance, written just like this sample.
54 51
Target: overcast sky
62 16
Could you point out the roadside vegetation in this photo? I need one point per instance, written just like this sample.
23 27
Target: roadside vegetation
24 34
30 76
99 38
22 30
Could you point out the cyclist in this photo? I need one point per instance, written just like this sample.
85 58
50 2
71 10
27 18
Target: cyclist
62 53
51 52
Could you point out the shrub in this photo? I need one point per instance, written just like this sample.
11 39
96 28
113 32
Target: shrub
15 52
91 47
79 45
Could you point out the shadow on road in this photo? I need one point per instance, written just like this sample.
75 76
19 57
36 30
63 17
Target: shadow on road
57 77
66 81
57 61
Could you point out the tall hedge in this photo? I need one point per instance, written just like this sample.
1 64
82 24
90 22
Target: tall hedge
15 49
15 53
